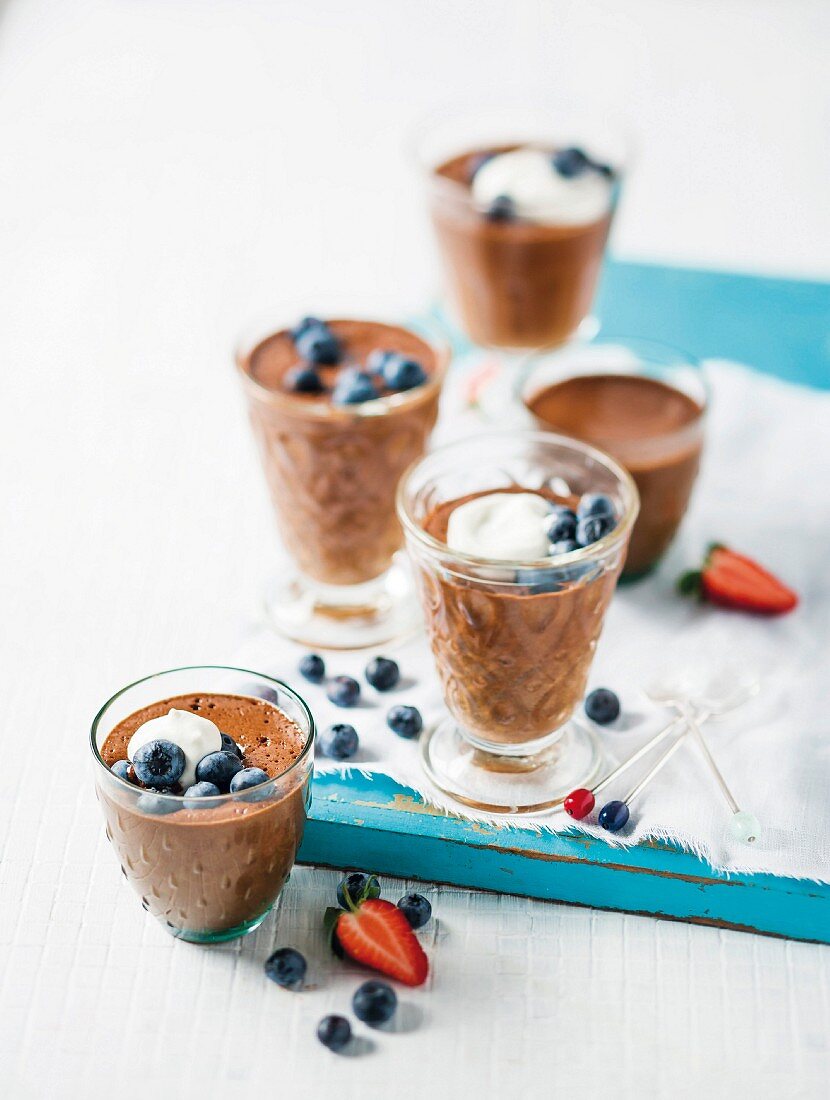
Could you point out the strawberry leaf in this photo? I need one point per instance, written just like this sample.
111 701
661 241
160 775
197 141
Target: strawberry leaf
330 918
690 583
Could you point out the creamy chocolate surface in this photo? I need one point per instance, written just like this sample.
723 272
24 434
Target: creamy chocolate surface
653 429
269 739
516 283
212 869
333 471
513 659
276 356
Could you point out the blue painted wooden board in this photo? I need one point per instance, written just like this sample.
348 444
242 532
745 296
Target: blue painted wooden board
778 326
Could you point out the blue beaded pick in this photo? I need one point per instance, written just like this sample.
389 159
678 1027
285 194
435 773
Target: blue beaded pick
613 816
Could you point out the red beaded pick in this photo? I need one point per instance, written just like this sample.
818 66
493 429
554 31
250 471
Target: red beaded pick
579 803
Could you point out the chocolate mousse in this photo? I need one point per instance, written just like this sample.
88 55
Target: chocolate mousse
206 866
653 429
337 423
514 659
522 265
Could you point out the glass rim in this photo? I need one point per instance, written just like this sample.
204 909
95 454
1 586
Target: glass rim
260 330
213 799
649 351
593 551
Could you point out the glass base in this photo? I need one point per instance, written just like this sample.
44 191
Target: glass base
218 937
356 616
502 783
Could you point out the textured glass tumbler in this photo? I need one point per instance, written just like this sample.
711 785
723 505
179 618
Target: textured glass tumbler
208 874
512 642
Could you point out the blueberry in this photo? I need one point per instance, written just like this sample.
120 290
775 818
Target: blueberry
383 673
340 741
374 1002
378 359
159 763
229 745
334 1032
304 380
343 691
416 909
602 706
405 721
566 546
353 387
501 209
319 345
219 768
561 525
198 791
403 374
313 667
249 777
121 768
286 967
595 504
613 816
156 804
592 528
305 325
571 162
357 885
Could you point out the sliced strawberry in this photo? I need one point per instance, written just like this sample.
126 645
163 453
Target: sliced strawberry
377 934
734 580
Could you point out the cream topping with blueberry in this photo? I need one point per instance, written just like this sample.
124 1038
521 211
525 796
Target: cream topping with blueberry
194 735
563 188
526 526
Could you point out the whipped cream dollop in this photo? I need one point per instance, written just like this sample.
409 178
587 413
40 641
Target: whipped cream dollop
501 526
195 736
527 177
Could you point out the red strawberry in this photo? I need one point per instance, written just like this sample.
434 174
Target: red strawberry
733 580
377 934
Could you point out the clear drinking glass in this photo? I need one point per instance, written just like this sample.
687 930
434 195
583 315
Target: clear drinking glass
512 642
520 282
332 472
210 873
643 402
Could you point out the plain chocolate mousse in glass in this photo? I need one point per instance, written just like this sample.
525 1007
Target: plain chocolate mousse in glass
513 639
334 436
642 402
208 867
522 209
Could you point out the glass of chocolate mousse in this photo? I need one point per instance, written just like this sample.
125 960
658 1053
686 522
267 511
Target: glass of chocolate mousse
522 202
203 775
517 539
642 402
339 409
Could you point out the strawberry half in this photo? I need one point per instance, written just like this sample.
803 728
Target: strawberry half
733 580
377 934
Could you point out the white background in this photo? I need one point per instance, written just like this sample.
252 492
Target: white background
167 169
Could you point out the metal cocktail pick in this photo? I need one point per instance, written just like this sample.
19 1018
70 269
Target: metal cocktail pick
711 701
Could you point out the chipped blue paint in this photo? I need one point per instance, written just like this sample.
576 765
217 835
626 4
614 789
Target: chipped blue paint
378 825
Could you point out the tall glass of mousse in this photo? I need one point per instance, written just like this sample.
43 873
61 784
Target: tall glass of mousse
513 618
339 408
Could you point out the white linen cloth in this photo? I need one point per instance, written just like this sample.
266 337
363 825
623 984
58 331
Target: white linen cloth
763 490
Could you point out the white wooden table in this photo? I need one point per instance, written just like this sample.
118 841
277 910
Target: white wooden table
166 169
